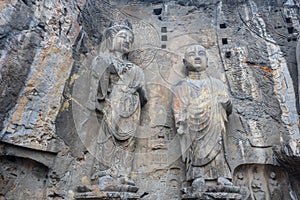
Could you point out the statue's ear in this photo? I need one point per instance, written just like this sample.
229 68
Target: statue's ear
108 43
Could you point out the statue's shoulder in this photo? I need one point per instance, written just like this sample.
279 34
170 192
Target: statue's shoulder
137 69
219 86
216 81
181 84
136 66
101 58
100 63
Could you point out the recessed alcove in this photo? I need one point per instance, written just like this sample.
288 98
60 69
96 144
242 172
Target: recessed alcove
224 41
223 26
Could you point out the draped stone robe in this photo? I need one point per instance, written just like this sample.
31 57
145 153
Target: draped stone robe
119 96
202 106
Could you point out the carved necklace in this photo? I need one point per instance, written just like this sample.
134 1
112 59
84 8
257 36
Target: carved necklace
122 66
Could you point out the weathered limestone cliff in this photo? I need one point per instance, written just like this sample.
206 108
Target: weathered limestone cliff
46 53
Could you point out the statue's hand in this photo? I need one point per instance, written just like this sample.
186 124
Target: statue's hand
108 59
227 106
182 128
99 64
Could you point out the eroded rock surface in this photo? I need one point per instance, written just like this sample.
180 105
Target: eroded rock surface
46 53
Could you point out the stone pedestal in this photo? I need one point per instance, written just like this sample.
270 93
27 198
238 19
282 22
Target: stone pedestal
212 195
107 196
212 192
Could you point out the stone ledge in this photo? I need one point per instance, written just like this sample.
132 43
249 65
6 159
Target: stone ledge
46 158
107 196
212 195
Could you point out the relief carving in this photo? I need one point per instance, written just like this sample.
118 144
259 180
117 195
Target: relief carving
274 187
201 106
118 93
78 123
257 188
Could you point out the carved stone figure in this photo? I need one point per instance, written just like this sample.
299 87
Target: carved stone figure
241 182
201 105
118 97
274 187
257 187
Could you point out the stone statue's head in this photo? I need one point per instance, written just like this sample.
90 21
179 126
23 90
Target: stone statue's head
195 58
119 36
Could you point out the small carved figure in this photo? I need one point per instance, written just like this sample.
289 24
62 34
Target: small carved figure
117 92
201 105
257 187
241 182
274 187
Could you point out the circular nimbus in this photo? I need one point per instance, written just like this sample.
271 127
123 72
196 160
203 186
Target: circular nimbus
143 52
107 126
91 124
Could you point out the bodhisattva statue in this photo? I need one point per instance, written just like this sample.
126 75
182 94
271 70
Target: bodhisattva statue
201 105
120 93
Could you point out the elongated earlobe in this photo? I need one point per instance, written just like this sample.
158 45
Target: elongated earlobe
109 44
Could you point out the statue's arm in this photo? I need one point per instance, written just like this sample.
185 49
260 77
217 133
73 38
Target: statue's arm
98 74
179 107
180 102
227 106
93 83
143 95
142 89
225 98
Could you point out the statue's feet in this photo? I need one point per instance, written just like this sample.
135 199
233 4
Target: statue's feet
224 182
227 186
198 185
124 184
105 182
127 181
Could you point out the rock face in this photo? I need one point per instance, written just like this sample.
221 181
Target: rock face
46 53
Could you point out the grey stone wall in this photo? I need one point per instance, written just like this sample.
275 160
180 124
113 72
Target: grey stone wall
46 50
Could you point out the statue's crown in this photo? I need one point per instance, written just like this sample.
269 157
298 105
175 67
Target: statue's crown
122 23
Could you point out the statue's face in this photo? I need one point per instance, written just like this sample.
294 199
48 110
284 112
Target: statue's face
122 42
195 58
